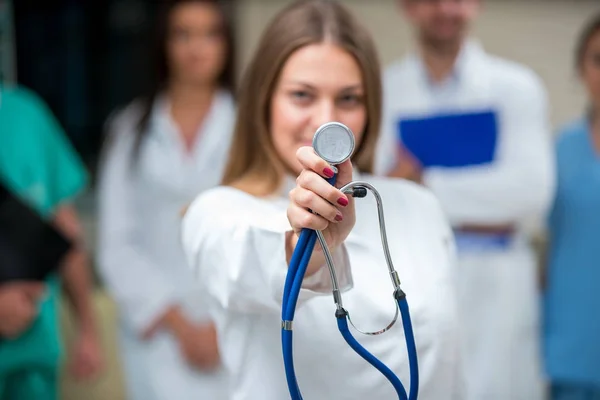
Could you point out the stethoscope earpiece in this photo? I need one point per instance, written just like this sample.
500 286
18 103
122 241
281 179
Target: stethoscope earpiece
334 142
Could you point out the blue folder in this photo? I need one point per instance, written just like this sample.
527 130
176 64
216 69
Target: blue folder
451 140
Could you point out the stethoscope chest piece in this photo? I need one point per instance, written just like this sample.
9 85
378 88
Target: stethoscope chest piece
334 142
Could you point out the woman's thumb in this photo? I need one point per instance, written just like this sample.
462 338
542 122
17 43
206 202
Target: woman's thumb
344 175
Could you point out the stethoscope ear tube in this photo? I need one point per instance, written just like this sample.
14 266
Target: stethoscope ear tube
342 323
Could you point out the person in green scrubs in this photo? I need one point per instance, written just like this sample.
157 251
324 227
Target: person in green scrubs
38 164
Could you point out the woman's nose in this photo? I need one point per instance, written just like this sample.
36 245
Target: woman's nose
324 112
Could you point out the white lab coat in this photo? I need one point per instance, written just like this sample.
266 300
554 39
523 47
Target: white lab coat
496 287
235 246
140 255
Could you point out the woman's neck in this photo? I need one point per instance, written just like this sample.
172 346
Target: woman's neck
189 106
184 96
259 184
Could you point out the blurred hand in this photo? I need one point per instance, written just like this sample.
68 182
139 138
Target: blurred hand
86 359
333 212
198 345
18 306
197 342
408 166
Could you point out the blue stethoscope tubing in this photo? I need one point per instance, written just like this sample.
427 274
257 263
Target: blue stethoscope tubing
295 275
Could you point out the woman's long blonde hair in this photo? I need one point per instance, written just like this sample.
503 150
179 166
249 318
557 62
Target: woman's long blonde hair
252 154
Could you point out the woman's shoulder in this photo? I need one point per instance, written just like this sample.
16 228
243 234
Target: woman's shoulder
126 115
220 197
226 208
226 102
120 126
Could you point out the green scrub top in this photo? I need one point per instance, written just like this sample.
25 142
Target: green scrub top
38 163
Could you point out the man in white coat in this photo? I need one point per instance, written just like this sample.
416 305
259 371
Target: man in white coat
474 129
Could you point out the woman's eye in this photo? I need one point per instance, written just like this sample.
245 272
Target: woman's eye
301 95
180 34
350 100
214 33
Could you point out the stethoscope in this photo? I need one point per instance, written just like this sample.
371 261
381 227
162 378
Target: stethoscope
334 143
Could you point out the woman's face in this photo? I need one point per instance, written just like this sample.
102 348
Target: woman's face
590 69
196 46
319 83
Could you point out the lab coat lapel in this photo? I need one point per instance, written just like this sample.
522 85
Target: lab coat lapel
168 163
161 156
212 138
475 80
415 97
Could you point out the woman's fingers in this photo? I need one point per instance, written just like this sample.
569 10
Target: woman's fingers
311 161
344 175
301 218
312 182
315 203
309 200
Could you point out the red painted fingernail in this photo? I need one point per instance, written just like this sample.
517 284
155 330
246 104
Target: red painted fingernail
328 172
339 217
343 202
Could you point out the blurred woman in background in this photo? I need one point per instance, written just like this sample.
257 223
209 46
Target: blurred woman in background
572 348
162 151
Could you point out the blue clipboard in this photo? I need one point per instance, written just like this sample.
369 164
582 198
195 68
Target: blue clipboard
451 140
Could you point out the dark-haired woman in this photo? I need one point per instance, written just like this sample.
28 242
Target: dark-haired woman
162 151
572 326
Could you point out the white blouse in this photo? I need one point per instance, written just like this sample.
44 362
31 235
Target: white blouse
234 243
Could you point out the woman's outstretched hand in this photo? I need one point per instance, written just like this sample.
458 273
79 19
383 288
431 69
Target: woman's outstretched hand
315 204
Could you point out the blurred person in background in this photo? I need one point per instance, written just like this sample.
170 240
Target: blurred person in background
572 321
474 128
39 165
161 151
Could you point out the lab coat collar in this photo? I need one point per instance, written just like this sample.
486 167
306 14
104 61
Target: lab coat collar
161 111
470 53
161 124
164 128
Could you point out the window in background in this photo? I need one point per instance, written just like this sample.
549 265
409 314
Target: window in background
84 59
7 51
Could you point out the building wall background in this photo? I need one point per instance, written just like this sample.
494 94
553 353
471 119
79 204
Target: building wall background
539 33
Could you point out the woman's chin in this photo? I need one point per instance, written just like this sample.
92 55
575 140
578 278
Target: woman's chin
294 168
